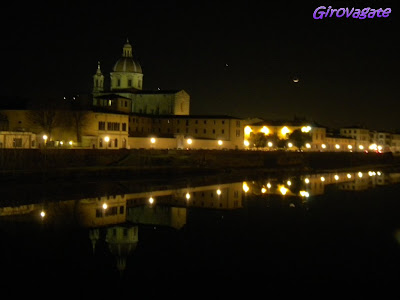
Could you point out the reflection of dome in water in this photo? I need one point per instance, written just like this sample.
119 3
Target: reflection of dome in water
122 241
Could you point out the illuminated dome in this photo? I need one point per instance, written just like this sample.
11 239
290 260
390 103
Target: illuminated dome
126 63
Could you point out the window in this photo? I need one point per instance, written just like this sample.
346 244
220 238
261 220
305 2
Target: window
205 121
187 122
123 126
102 125
195 131
100 143
223 122
126 103
109 126
118 82
17 142
204 130
213 130
237 123
116 143
222 131
237 132
129 82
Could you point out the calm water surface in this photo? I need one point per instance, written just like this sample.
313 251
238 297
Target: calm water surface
312 235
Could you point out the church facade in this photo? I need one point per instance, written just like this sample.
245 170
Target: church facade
126 83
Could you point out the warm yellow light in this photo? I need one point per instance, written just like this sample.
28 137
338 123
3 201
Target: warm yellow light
349 176
220 142
283 190
107 139
308 146
246 143
361 147
245 187
247 130
336 177
263 190
70 142
265 130
379 173
42 214
152 140
373 147
45 137
360 174
151 200
350 146
322 178
337 146
290 145
61 142
304 194
307 180
218 192
323 146
289 183
105 206
189 141
379 147
285 131
306 129
268 185
270 144
187 196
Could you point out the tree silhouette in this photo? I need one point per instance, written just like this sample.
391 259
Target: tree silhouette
299 138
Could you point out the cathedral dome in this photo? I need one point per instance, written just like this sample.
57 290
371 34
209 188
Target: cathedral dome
127 64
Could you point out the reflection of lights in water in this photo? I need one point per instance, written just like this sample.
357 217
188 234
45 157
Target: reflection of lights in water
219 192
292 205
307 180
245 187
42 214
263 190
268 185
105 206
187 196
336 177
151 200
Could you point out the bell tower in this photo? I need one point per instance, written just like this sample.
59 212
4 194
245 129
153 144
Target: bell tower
98 81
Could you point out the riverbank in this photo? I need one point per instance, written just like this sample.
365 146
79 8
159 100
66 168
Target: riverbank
52 165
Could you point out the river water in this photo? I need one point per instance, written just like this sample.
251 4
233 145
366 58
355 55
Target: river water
304 235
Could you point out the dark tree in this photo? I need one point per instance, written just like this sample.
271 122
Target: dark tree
258 140
299 138
276 141
47 114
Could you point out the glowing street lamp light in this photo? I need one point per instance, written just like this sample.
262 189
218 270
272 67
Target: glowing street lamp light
290 145
246 143
189 141
270 144
323 146
152 140
308 146
218 192
220 142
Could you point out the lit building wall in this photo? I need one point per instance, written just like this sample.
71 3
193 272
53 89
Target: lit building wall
17 140
106 130
360 135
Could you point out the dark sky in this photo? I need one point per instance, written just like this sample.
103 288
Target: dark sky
234 58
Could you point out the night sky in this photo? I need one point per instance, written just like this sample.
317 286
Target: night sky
237 59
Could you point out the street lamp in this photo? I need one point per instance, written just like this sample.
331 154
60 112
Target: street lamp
107 139
45 137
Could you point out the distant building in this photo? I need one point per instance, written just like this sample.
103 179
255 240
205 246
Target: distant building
126 81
